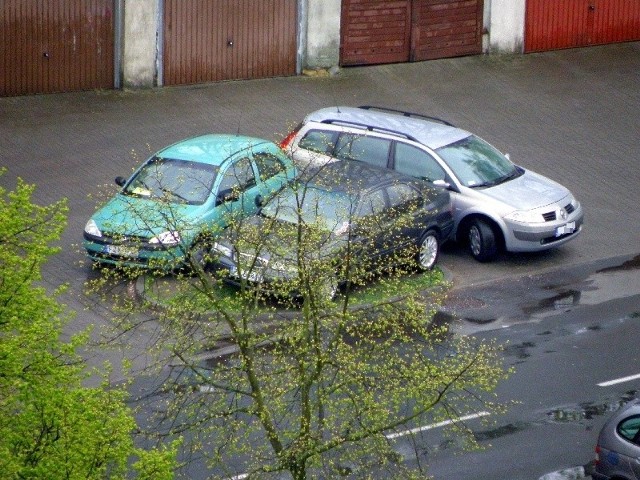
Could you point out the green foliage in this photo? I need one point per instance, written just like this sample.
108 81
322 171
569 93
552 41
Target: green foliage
51 426
314 389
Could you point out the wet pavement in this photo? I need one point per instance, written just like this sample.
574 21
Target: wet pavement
530 298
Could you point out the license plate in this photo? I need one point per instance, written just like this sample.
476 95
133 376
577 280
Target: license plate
251 276
120 251
567 228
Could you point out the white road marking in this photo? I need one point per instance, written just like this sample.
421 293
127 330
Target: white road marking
436 425
568 474
410 432
619 380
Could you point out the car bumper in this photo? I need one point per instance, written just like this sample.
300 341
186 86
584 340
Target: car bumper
537 237
135 257
265 276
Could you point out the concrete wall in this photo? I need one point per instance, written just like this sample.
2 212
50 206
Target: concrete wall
140 47
506 26
323 33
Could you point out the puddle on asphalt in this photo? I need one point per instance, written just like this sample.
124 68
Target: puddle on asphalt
505 305
501 431
588 411
578 413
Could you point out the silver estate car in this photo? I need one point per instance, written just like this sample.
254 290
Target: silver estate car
618 448
497 205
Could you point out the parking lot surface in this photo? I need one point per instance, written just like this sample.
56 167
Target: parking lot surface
571 115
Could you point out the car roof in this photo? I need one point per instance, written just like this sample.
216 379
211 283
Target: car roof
432 133
212 149
353 176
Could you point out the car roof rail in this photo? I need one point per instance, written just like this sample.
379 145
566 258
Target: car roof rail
406 114
371 128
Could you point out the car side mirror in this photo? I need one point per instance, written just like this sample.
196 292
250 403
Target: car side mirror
508 155
120 181
442 184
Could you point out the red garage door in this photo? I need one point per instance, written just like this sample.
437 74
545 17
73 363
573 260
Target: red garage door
553 24
383 31
211 40
55 46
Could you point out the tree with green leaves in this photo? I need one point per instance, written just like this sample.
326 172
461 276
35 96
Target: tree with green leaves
312 384
51 425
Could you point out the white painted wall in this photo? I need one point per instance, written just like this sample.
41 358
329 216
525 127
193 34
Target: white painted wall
323 33
506 26
140 30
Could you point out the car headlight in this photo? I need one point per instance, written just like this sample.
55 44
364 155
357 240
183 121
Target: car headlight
167 239
223 250
91 228
522 216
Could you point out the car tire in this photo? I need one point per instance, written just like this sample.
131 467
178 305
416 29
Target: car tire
199 255
428 250
329 288
482 241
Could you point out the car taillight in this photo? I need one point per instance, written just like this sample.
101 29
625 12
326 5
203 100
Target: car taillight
284 144
597 454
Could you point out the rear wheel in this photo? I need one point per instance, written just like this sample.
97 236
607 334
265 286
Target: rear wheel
482 241
428 250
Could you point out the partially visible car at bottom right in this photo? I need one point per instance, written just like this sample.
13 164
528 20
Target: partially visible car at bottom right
618 447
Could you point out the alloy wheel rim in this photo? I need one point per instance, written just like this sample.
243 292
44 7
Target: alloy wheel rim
474 240
428 252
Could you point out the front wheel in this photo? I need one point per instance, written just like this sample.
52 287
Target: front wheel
199 255
428 250
482 241
329 288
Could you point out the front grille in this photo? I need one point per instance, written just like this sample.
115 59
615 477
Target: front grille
552 216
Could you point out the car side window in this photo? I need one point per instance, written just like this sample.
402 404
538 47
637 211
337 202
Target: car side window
238 176
402 197
268 165
319 141
417 163
373 203
372 150
629 429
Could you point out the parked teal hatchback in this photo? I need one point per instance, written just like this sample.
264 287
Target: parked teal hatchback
173 205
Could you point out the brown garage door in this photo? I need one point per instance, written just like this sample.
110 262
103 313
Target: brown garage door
550 24
445 28
211 40
375 31
383 31
55 46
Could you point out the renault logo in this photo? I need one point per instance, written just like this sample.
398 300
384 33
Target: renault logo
563 213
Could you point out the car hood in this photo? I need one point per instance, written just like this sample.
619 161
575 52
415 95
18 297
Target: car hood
527 192
277 243
126 215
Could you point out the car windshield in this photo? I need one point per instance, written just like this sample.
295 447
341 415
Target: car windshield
476 163
330 210
178 181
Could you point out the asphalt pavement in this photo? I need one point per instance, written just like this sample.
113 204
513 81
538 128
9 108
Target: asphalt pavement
572 115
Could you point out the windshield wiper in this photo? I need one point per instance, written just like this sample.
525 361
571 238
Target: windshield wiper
498 181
